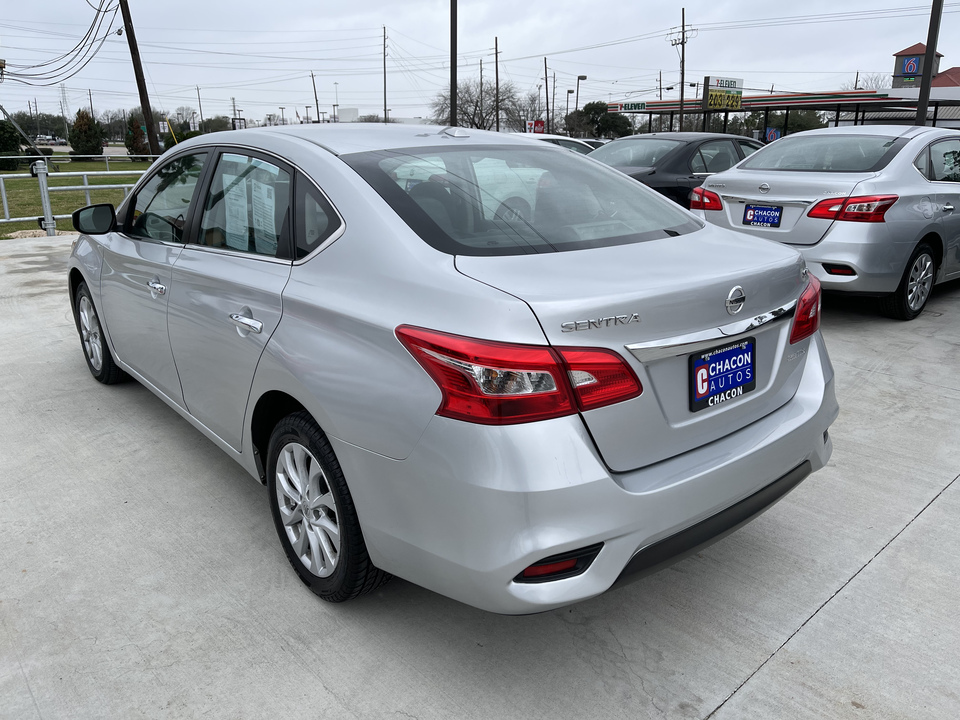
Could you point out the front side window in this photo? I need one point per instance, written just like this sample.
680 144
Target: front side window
826 153
247 208
945 161
161 205
508 200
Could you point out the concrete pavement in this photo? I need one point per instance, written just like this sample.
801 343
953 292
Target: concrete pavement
141 577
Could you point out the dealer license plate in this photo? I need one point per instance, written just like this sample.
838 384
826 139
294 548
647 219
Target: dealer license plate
762 215
722 374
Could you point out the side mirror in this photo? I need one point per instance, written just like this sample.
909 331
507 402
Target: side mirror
95 219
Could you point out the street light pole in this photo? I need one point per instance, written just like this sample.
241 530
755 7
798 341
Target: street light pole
282 120
577 108
336 102
566 118
308 113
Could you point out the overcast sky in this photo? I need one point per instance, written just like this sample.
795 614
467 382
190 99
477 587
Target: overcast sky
262 53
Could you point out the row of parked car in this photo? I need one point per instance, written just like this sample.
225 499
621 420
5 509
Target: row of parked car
875 210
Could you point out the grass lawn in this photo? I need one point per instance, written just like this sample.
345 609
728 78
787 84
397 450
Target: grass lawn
23 194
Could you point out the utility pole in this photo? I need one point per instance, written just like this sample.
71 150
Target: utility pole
201 106
483 124
90 95
546 92
36 109
682 42
384 74
336 102
496 68
929 59
233 101
282 120
453 63
315 100
141 83
553 102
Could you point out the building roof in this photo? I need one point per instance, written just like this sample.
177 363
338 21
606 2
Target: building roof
947 78
918 49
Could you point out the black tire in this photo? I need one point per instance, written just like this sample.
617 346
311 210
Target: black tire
94 345
910 297
300 451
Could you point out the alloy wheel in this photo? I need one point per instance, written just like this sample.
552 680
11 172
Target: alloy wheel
90 334
308 509
920 282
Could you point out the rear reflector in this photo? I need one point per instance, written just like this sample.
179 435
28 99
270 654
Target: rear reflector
558 567
861 208
495 383
839 269
701 199
807 319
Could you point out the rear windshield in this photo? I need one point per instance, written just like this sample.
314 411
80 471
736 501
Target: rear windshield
509 200
638 152
826 153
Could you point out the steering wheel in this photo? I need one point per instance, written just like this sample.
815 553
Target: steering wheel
514 209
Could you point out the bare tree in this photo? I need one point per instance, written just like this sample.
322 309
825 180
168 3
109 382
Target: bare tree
869 81
476 110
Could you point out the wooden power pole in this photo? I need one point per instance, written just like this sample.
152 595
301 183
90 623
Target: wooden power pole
152 139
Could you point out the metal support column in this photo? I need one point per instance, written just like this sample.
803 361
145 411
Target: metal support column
726 117
48 224
786 121
836 118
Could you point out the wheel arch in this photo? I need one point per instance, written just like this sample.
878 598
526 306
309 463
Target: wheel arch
271 408
74 279
936 244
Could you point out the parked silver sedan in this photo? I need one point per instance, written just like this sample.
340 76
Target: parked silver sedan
874 209
516 408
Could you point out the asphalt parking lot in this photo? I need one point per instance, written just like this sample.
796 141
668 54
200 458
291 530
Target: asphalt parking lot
141 576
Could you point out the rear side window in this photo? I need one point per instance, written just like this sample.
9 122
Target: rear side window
945 161
247 208
827 153
510 200
317 221
714 156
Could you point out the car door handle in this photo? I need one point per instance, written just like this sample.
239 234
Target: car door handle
246 323
156 287
948 208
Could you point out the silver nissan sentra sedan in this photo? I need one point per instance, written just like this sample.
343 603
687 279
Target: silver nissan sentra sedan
499 370
875 210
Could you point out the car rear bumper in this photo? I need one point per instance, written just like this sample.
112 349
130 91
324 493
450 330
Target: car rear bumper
473 506
877 258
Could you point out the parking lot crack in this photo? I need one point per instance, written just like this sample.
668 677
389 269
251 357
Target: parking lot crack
829 599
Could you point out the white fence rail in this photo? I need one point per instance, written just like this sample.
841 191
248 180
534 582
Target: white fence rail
39 171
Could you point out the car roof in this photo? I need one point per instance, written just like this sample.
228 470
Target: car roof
685 136
907 131
345 138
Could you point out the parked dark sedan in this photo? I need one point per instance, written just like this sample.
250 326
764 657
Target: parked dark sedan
675 163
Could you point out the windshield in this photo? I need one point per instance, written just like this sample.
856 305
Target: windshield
509 200
635 152
826 153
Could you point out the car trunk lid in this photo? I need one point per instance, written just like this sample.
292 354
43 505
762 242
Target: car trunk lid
747 196
656 303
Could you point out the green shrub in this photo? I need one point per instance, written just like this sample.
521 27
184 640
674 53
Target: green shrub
9 161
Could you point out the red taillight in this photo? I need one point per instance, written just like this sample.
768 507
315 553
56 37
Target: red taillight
806 321
701 199
862 208
599 377
494 383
